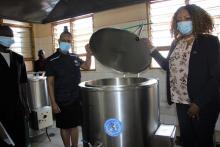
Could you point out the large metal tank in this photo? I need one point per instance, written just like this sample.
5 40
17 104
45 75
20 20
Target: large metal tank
38 91
120 112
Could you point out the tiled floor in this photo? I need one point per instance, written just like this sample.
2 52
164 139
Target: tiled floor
56 141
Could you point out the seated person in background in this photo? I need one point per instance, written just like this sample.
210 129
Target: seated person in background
39 65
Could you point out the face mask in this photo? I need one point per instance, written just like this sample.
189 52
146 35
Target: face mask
184 27
6 41
65 46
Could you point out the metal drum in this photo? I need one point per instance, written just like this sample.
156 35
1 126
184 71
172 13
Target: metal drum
38 91
120 112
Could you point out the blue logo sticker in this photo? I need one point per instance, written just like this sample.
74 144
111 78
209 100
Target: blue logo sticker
113 127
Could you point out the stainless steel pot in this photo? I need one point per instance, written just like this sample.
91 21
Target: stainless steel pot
120 112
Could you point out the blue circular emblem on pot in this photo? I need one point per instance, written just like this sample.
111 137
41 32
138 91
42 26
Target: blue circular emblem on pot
113 127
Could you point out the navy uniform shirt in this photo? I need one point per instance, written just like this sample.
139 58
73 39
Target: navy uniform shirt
53 55
66 72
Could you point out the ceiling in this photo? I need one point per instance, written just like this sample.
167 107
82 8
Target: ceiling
45 11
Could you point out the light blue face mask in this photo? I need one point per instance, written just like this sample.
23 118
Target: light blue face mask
185 27
65 46
6 41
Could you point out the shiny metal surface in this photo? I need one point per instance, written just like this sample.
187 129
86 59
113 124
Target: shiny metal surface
120 50
132 101
38 92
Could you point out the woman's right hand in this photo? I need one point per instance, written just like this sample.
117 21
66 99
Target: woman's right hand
55 108
150 45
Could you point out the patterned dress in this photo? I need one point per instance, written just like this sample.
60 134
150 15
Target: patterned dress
179 66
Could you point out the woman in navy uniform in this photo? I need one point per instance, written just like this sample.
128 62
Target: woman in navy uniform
14 105
63 72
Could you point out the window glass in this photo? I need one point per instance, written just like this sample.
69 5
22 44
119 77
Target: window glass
23 44
82 31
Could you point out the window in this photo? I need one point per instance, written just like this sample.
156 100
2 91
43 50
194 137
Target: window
81 29
161 13
23 42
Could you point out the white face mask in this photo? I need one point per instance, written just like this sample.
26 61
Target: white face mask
185 27
65 46
6 41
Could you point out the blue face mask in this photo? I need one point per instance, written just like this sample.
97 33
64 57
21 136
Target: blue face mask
65 46
184 27
6 41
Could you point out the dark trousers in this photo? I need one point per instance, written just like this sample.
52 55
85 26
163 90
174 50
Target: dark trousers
197 133
15 125
3 144
17 134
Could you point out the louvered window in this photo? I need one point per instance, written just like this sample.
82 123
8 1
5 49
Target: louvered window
81 30
22 43
161 12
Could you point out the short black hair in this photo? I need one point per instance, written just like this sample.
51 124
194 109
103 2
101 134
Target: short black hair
6 31
41 51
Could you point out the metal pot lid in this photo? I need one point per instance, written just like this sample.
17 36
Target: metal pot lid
120 50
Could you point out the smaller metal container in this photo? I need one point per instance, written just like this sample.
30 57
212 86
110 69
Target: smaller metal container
38 91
